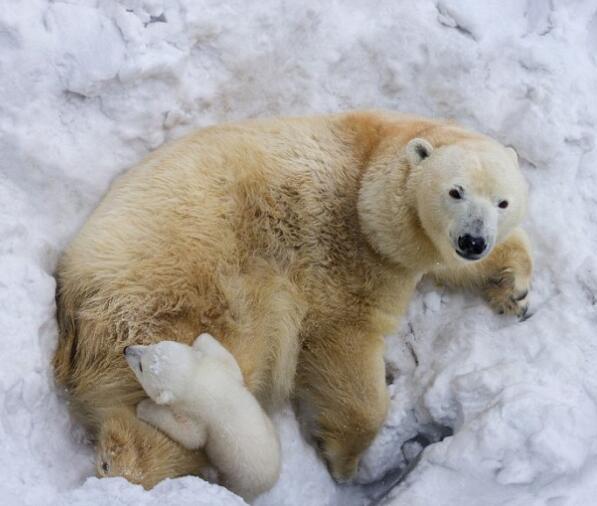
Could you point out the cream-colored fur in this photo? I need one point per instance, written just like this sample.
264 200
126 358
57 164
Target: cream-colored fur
298 243
198 398
133 449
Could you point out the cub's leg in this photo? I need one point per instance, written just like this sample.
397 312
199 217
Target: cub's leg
503 278
341 385
191 434
211 347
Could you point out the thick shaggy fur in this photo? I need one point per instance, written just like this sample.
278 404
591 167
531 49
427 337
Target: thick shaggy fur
134 449
297 243
198 398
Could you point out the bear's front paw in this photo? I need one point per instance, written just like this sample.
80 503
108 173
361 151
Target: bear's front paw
342 467
508 292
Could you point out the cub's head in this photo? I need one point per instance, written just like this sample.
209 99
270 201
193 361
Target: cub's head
163 369
469 195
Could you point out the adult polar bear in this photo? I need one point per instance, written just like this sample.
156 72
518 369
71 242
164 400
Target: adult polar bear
297 243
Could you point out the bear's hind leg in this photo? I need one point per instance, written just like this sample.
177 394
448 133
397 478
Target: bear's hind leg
142 454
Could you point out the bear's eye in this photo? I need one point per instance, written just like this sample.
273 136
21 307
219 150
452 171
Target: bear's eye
105 467
140 367
503 204
455 194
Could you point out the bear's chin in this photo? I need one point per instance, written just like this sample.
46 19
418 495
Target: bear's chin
470 258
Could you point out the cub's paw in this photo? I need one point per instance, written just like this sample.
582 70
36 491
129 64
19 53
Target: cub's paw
210 474
507 292
209 346
147 410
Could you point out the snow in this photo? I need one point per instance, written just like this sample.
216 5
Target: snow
88 87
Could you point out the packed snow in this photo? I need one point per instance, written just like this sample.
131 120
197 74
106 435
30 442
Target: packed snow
486 410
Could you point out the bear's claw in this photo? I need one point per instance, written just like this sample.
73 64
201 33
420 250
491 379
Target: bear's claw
508 293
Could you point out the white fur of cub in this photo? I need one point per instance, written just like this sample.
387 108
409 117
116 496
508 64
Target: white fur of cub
198 398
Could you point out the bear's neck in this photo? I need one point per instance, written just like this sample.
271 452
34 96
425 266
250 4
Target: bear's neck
388 217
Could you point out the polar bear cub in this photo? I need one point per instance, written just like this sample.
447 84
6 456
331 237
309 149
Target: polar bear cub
198 398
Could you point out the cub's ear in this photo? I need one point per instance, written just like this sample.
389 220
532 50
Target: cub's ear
513 154
417 150
165 397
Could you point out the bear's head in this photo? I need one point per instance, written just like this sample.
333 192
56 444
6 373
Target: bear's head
162 369
469 195
448 203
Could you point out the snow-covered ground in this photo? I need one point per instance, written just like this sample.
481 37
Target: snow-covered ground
88 87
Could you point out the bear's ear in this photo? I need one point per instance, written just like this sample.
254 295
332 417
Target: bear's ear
513 154
417 150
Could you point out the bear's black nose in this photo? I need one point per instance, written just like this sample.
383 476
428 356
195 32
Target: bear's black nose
471 247
124 351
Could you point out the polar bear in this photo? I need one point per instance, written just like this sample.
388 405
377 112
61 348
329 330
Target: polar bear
198 398
297 242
